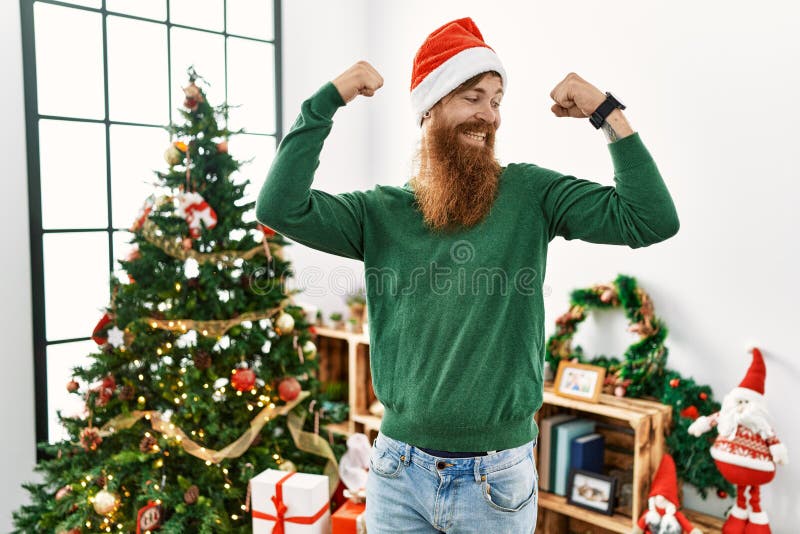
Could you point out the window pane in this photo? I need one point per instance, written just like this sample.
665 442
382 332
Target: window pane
88 3
137 71
69 61
61 359
262 149
251 18
207 14
75 282
151 9
251 85
73 174
206 52
136 153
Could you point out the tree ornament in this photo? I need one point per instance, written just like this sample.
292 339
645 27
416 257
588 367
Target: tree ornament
127 393
75 530
98 334
288 466
149 517
675 382
173 156
722 494
202 360
197 212
115 337
194 97
243 379
144 212
187 243
105 502
310 350
63 492
147 444
191 494
284 323
105 391
222 147
90 439
703 395
690 412
72 386
289 389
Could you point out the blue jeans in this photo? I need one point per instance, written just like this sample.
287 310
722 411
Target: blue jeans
408 490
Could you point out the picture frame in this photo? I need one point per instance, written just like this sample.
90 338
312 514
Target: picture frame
592 491
579 381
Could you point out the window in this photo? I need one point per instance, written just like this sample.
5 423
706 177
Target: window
102 78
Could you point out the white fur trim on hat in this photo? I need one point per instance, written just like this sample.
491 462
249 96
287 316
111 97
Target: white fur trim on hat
748 395
759 518
452 73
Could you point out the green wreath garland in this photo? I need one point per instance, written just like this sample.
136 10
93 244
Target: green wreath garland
642 372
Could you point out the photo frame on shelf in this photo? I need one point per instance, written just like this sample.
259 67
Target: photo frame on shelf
592 491
579 381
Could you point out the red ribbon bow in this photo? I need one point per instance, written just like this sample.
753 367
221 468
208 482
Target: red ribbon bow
281 509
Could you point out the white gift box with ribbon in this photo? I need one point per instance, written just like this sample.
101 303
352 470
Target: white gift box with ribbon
290 503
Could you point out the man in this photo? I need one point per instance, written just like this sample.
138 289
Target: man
454 265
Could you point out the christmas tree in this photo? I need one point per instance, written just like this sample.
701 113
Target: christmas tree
204 372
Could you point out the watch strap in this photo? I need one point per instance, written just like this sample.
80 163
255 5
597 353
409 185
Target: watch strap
598 118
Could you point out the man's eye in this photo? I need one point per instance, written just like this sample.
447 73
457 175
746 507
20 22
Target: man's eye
471 98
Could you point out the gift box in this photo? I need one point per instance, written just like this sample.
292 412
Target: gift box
349 518
290 503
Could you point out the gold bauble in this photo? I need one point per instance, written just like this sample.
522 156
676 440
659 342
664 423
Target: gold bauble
288 466
309 350
284 323
105 502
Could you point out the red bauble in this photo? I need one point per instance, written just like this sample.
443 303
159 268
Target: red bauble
703 395
722 494
269 232
243 379
72 386
289 389
675 382
691 412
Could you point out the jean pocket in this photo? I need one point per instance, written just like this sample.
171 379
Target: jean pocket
512 488
385 461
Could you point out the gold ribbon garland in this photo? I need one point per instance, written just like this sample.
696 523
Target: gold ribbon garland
304 441
174 247
212 328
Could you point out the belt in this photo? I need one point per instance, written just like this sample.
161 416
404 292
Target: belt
449 454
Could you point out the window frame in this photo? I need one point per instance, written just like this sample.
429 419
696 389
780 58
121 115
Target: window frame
32 118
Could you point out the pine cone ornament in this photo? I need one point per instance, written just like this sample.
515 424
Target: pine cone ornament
100 481
202 360
147 444
127 393
90 439
190 497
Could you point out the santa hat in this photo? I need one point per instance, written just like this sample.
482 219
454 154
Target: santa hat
451 55
751 387
665 482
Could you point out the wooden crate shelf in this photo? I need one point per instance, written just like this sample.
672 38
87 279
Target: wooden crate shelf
647 422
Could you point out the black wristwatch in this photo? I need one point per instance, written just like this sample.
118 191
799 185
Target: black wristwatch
604 110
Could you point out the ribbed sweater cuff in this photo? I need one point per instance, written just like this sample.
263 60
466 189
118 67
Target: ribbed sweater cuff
629 152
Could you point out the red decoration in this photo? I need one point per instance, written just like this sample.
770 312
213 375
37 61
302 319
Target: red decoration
105 390
243 379
703 395
149 517
691 412
281 508
289 389
193 97
722 494
90 439
197 212
99 328
222 147
72 386
269 232
675 382
143 213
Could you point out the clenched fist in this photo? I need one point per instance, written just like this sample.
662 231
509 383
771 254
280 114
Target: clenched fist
575 97
360 79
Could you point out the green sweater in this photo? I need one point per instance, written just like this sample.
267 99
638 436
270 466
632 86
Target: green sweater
457 320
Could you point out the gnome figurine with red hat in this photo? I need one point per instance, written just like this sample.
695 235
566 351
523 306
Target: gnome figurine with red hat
662 515
746 449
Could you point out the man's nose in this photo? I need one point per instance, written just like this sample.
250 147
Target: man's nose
486 114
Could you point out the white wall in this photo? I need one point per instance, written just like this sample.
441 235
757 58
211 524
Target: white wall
315 50
712 88
17 448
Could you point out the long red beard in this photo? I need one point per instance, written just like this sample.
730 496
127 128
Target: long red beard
457 182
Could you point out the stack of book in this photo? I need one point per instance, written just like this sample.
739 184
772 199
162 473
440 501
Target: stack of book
567 442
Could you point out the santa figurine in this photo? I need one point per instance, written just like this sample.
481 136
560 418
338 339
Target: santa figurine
746 449
662 515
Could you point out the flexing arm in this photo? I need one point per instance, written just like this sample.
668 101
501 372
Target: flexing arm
286 202
638 211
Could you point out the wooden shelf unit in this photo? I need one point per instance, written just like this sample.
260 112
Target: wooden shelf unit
648 421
